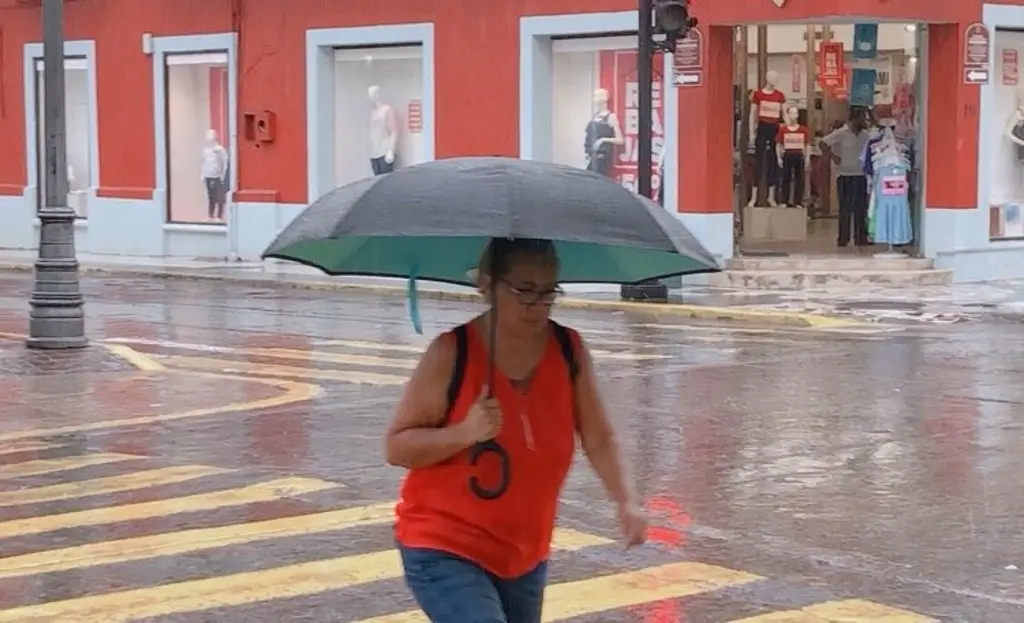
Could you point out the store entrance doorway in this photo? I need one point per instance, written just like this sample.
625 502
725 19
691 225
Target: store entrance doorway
794 86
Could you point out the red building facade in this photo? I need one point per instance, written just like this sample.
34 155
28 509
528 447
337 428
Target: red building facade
476 92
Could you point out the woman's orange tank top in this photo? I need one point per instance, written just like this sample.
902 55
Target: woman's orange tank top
510 535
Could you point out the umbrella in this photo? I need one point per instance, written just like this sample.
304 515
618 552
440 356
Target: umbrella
433 221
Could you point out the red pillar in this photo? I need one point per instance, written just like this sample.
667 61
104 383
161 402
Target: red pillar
706 130
951 157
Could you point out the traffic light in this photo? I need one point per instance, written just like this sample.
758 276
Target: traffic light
672 18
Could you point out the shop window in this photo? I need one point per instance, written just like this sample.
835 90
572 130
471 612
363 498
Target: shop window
1006 175
378 114
199 167
77 130
594 107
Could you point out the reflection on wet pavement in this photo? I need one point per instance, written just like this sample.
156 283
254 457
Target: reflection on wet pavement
215 456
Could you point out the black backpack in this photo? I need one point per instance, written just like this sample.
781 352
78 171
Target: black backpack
462 347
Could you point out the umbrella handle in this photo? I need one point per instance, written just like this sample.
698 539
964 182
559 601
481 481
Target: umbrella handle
475 454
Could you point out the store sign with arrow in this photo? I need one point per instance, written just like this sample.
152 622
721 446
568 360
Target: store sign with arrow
976 76
977 54
688 60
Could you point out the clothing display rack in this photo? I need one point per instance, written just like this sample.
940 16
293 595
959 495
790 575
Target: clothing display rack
887 162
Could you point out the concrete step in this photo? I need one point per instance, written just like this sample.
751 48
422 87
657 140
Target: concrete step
822 278
832 264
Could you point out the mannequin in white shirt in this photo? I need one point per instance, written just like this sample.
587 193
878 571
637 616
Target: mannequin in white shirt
383 134
215 171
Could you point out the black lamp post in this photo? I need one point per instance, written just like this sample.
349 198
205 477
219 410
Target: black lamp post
57 318
668 21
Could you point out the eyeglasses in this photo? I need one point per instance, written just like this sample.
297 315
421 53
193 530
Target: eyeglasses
532 296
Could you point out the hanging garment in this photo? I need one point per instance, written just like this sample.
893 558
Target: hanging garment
599 159
891 190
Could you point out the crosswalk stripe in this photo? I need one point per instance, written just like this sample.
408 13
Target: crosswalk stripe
620 590
106 486
27 445
49 466
298 580
339 358
845 611
187 541
860 610
245 367
364 345
262 492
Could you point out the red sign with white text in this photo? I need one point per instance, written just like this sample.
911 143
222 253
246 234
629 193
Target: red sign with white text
832 65
1011 67
618 77
414 117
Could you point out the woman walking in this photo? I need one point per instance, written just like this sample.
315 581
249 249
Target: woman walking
475 532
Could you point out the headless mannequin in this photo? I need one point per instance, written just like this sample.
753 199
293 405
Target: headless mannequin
793 148
602 135
383 134
215 171
765 115
1014 131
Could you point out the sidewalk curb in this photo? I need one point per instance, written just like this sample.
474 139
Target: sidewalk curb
700 312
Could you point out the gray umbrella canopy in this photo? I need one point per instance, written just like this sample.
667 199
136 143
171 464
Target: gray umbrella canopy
433 220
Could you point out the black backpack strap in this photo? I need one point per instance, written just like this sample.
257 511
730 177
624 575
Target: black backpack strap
568 350
459 370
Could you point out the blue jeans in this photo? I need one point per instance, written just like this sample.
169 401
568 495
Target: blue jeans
450 589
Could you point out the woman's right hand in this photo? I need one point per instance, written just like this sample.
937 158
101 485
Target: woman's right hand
483 422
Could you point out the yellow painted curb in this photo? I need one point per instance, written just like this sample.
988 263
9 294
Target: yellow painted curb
701 312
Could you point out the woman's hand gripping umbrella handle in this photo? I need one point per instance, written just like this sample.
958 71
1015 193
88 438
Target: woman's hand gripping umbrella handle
489 445
482 424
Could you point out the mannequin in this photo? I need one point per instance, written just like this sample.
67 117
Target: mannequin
603 134
765 115
793 147
215 171
383 134
1015 133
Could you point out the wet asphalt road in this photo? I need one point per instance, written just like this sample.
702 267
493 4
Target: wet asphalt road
196 464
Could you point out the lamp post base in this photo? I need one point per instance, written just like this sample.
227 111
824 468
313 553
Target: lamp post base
647 291
57 317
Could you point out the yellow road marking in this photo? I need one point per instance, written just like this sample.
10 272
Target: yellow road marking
361 344
620 590
270 370
262 492
604 354
239 589
185 541
106 486
298 580
294 392
339 358
139 360
789 616
28 445
861 611
49 466
846 611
